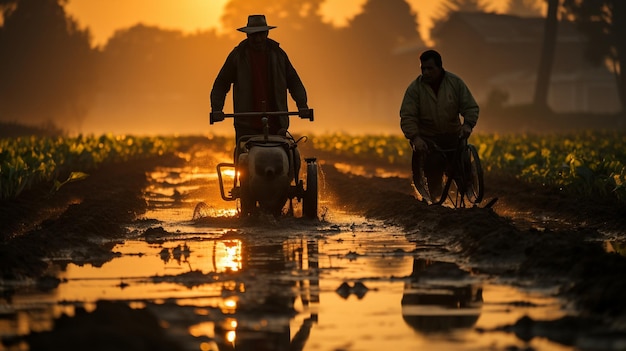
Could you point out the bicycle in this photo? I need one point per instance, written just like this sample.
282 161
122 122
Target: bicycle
462 179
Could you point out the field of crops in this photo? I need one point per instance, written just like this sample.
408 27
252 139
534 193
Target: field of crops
590 164
29 161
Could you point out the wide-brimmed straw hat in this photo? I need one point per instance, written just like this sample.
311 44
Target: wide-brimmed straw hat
256 23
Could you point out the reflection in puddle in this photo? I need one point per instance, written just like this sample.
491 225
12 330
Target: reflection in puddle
283 290
367 172
440 296
352 284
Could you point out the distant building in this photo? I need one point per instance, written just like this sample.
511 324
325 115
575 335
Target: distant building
493 52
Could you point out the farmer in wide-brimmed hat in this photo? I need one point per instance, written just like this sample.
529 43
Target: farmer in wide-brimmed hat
256 23
261 74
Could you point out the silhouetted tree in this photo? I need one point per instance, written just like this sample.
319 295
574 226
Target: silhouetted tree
375 71
47 67
151 76
142 60
449 6
385 22
146 62
374 34
524 8
291 15
547 56
604 21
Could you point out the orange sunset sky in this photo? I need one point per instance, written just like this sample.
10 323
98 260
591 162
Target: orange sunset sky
104 17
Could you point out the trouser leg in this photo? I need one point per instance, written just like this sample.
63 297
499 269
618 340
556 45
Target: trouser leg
416 167
296 163
419 180
433 170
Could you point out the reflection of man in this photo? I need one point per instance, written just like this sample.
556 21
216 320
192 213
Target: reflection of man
264 293
429 116
435 299
260 73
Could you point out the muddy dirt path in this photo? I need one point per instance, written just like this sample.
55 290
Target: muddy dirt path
538 271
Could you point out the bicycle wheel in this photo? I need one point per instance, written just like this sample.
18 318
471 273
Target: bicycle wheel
473 176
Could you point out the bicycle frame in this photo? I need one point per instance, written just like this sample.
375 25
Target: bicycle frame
455 172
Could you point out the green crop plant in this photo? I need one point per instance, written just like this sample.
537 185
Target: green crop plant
588 164
29 161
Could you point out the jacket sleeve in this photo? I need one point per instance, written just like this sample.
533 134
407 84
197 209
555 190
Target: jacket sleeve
468 106
225 78
409 112
295 85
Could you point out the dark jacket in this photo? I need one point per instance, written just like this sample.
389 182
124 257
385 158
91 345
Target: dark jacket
238 73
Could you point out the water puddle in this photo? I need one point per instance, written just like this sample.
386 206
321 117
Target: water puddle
370 172
346 283
348 287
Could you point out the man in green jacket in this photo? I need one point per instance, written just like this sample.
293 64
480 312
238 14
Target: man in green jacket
430 117
261 74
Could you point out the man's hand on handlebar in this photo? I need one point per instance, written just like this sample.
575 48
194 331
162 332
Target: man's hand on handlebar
216 116
305 113
419 145
466 130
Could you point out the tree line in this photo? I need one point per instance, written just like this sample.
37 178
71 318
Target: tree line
49 70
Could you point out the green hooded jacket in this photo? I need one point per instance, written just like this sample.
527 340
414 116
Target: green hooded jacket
426 115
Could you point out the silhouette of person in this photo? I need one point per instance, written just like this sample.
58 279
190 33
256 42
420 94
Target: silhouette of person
260 73
429 118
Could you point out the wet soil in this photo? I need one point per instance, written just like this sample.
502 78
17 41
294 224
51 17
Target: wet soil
533 235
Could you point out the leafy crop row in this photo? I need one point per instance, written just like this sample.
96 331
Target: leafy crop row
28 161
591 163
584 163
393 150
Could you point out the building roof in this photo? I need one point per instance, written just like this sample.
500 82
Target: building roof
498 28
